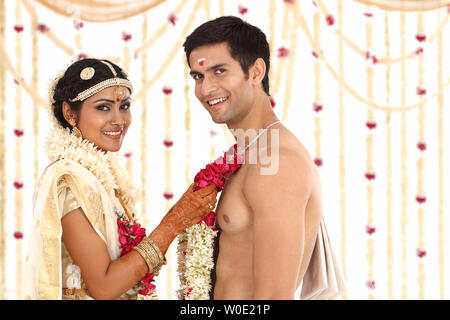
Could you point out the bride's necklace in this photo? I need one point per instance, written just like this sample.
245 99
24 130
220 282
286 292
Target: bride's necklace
259 135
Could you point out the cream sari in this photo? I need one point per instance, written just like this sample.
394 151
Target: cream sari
81 176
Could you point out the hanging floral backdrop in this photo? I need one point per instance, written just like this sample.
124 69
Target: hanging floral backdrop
363 84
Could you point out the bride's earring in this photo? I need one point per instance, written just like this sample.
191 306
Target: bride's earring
75 130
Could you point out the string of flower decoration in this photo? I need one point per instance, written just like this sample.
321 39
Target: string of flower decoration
403 164
187 123
291 61
18 180
171 20
440 147
168 194
421 145
221 8
352 91
368 53
342 146
143 130
271 35
207 9
389 232
370 174
126 37
317 104
171 54
282 52
2 159
78 25
35 85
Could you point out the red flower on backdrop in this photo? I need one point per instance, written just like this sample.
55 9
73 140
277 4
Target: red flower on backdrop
422 146
421 198
43 28
420 91
78 24
168 143
330 19
18 28
421 37
318 161
126 36
283 52
168 195
242 9
167 90
18 235
370 175
370 229
82 56
172 18
18 132
128 155
18 185
370 284
421 252
317 107
371 57
419 50
272 102
371 124
130 235
216 173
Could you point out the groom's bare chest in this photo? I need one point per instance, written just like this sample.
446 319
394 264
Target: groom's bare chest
233 213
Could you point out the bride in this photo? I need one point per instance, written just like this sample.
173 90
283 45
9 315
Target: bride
85 242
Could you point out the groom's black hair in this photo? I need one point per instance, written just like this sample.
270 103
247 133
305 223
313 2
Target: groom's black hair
245 42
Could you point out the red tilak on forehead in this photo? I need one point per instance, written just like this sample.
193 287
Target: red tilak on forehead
201 61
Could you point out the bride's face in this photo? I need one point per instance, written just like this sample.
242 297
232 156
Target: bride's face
104 118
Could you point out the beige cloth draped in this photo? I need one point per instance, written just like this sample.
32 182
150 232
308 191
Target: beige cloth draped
63 186
323 278
100 10
407 5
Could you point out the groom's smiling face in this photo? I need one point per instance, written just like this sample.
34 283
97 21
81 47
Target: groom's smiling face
220 83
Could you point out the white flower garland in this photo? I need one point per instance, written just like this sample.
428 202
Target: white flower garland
195 261
62 144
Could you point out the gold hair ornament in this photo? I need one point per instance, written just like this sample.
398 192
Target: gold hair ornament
102 85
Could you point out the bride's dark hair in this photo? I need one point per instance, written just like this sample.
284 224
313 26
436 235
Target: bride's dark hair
71 84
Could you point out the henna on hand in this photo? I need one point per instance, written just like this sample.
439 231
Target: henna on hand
192 207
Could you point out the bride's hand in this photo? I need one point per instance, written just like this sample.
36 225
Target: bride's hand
191 208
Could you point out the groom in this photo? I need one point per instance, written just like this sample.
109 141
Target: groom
270 210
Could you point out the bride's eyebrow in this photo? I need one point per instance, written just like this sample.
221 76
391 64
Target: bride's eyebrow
111 101
105 100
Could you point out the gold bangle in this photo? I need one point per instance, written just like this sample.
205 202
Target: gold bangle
162 259
151 254
145 257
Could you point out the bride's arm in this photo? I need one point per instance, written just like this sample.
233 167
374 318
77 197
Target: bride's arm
107 279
